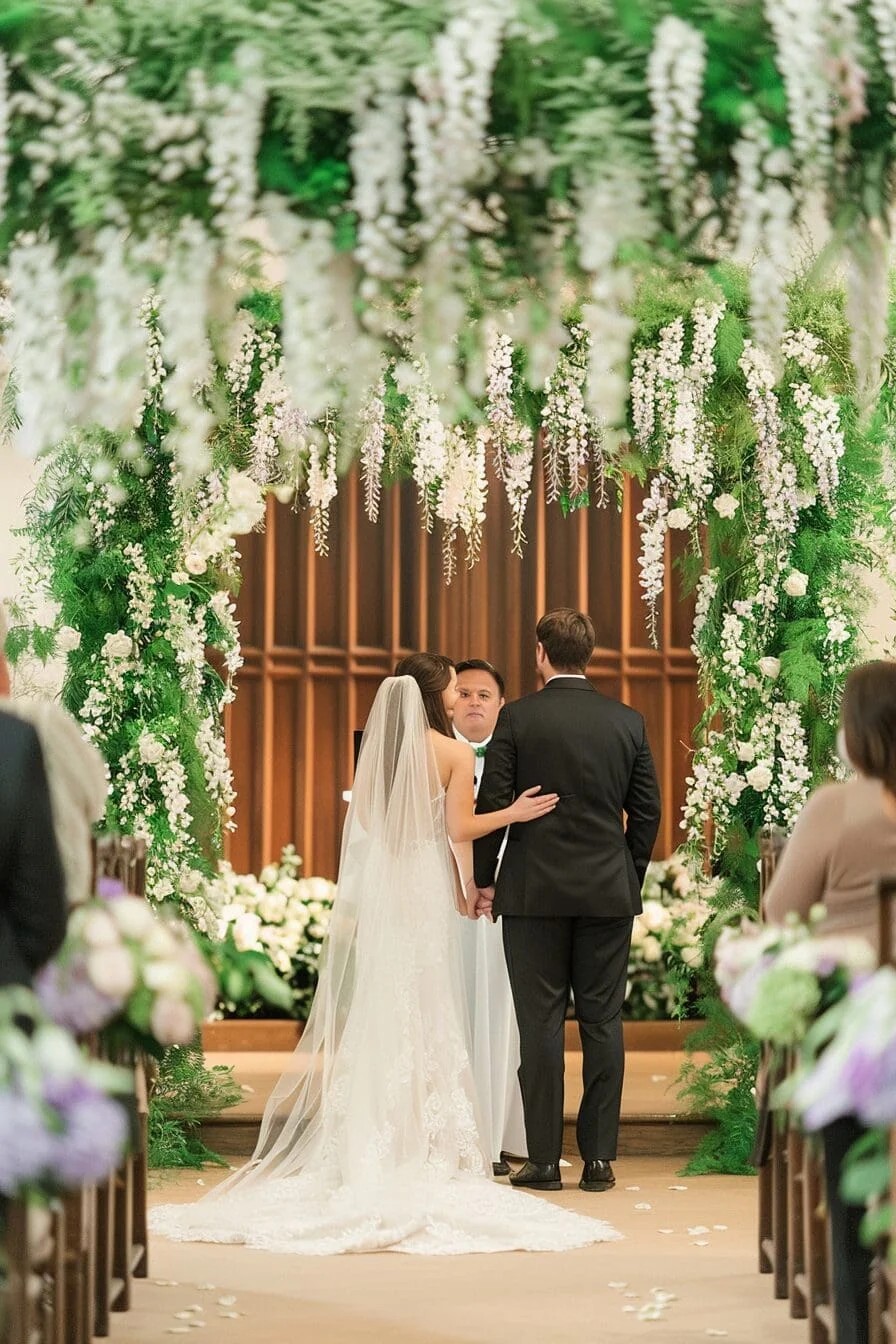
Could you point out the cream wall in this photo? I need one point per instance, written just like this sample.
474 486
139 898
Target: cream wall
17 475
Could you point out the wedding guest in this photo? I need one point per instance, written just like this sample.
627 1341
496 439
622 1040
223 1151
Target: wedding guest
845 840
76 774
33 909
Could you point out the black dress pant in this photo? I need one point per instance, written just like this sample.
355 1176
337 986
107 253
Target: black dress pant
851 1260
545 958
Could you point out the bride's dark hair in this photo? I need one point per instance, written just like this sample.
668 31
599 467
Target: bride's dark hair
432 673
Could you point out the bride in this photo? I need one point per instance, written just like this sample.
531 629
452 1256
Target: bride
370 1140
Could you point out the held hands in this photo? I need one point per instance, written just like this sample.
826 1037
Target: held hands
484 899
531 804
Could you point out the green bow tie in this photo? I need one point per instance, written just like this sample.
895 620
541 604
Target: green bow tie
480 751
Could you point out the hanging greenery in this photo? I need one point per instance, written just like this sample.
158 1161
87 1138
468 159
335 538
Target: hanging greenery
424 173
762 460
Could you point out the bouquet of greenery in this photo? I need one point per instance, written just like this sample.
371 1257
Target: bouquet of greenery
277 914
666 946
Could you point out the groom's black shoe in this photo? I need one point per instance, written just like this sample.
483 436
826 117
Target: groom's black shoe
597 1175
538 1176
501 1168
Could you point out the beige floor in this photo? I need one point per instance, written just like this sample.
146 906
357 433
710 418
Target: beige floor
697 1242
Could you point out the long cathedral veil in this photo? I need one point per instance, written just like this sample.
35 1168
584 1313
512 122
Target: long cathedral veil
392 846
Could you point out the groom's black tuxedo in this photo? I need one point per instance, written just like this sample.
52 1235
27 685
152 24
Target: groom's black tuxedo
568 888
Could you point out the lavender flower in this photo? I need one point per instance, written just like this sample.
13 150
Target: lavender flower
26 1146
70 998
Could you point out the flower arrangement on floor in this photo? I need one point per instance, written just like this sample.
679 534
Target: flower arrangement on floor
765 473
442 162
63 1119
666 943
277 913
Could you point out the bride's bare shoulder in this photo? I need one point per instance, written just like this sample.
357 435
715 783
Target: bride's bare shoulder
448 750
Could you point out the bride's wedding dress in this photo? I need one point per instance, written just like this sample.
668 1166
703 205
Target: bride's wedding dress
370 1140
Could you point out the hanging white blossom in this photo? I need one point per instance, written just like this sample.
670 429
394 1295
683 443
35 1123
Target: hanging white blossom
322 487
183 311
675 73
373 450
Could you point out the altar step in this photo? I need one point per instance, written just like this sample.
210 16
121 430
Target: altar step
653 1124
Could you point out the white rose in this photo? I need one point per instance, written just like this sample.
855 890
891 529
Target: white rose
682 883
272 907
133 916
98 929
651 949
796 583
746 752
150 749
118 645
68 639
655 916
166 977
194 563
691 955
112 971
759 777
246 928
726 506
268 875
160 943
770 667
54 1051
679 519
171 1021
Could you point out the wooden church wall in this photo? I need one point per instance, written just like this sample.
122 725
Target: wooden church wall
320 633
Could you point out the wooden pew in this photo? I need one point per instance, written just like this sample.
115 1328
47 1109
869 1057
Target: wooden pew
882 1301
120 1237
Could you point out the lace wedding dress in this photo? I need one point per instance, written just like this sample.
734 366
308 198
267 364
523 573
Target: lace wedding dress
370 1140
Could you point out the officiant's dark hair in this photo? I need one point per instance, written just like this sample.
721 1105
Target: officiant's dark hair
480 665
432 673
567 637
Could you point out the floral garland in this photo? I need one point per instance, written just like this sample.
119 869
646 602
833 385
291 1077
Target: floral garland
763 460
424 174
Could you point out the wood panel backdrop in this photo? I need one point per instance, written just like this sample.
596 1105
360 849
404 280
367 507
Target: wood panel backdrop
319 634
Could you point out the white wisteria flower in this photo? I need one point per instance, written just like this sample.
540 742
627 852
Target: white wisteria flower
726 506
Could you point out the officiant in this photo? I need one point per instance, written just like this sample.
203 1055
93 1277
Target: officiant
495 1038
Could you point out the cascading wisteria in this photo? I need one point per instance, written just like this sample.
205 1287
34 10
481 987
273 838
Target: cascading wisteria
425 182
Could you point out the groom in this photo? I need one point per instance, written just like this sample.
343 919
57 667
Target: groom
569 888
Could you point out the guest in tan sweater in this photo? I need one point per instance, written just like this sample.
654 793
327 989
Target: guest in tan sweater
842 843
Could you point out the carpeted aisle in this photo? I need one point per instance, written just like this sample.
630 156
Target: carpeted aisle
697 1243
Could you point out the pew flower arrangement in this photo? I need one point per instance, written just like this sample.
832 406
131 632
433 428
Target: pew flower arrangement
777 979
276 914
666 944
143 977
63 1123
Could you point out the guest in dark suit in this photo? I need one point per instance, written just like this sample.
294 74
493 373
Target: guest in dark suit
569 888
32 890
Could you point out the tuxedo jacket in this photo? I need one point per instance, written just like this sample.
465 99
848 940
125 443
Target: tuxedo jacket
588 856
33 909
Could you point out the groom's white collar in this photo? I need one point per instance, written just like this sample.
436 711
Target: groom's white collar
567 676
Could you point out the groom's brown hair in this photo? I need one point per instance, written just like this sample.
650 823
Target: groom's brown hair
567 638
